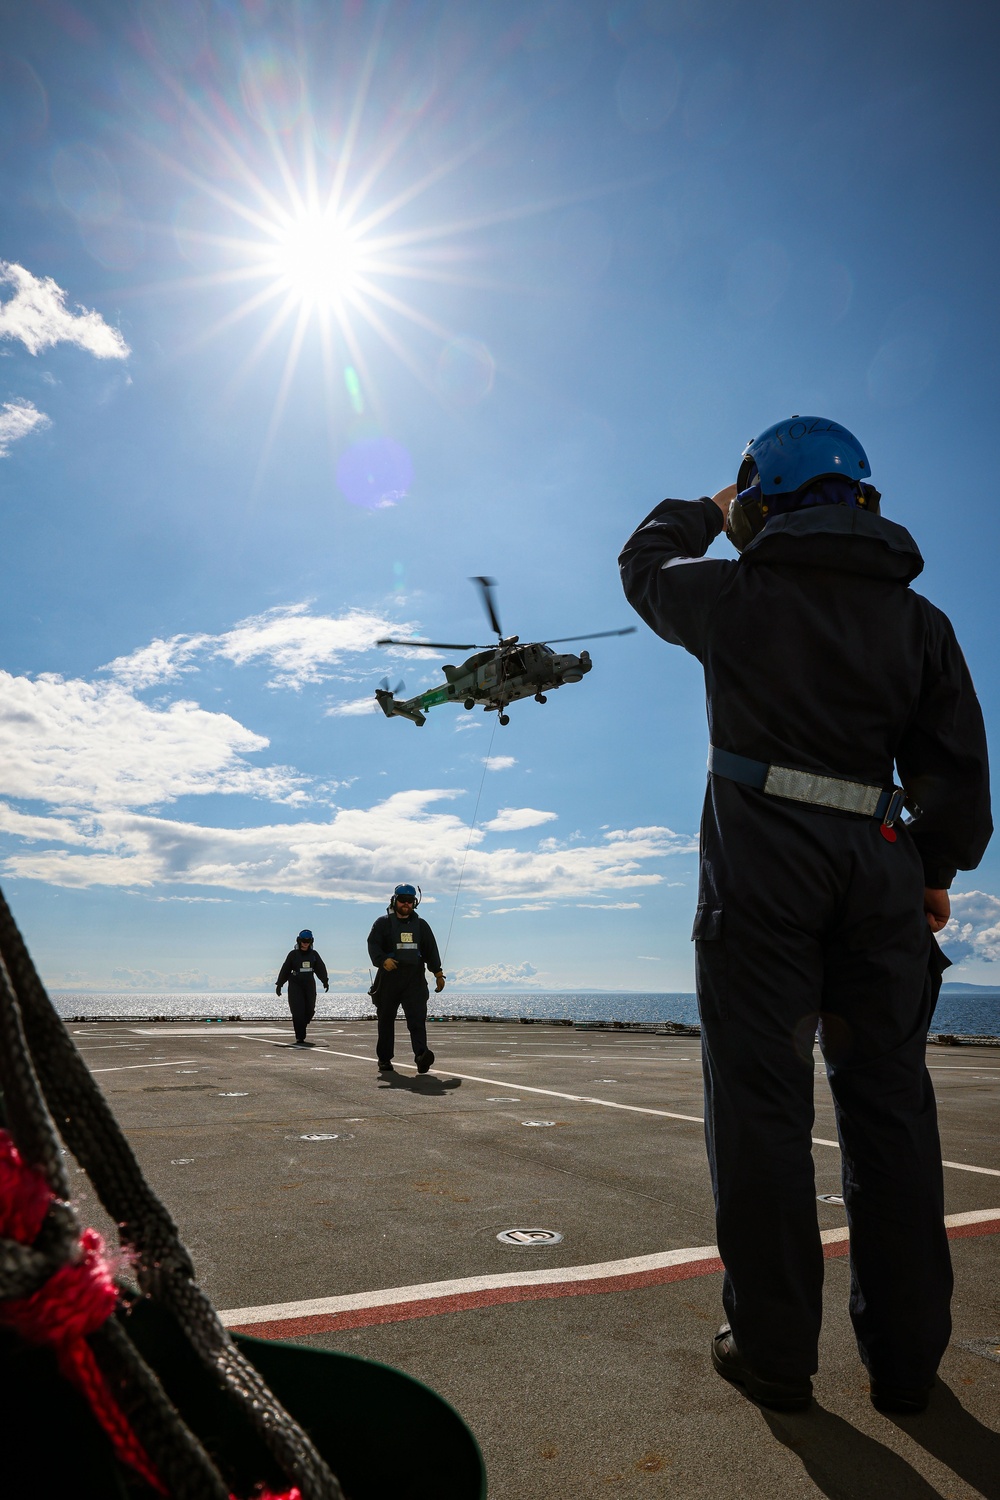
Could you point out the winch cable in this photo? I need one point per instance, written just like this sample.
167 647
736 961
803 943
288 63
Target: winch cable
472 829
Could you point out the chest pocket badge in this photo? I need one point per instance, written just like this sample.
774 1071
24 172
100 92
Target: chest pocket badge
305 968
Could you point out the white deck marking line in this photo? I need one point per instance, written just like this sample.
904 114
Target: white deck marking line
638 1109
131 1067
468 1292
526 1088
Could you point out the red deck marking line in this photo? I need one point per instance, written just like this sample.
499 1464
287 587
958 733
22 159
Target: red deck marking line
290 1320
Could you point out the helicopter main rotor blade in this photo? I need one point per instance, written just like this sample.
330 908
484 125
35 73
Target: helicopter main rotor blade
595 635
487 585
429 645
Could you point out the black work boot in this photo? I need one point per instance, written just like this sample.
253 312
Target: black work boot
900 1400
776 1392
385 1067
424 1060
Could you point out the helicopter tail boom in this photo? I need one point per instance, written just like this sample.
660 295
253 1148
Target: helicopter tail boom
393 710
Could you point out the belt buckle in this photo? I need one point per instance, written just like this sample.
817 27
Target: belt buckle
895 807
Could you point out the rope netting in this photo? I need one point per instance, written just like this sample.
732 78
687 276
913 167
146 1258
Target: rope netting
58 1286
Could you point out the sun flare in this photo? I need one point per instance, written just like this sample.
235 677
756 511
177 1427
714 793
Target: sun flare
316 259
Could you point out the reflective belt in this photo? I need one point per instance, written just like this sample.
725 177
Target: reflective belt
883 803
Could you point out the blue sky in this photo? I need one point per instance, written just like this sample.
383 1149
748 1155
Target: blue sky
311 311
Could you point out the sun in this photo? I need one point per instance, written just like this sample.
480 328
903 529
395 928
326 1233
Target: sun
316 259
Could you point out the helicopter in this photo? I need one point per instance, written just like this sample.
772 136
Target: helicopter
496 675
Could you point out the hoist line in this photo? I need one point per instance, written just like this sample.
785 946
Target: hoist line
472 829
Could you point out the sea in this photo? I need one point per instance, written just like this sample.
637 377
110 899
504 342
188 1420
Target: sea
958 1013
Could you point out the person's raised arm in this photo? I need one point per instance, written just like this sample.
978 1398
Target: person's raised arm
667 578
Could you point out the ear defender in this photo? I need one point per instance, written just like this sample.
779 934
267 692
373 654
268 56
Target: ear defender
746 518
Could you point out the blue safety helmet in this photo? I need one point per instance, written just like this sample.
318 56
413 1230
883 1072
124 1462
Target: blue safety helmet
789 458
305 936
793 453
406 890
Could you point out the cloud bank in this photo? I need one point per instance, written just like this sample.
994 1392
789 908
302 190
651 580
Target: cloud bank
352 855
84 745
90 768
974 929
37 315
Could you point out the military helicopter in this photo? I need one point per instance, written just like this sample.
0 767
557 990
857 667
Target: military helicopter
497 675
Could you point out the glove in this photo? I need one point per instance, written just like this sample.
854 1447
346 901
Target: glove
438 983
326 989
277 989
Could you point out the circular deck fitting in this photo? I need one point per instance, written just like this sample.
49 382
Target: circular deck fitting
538 1122
501 1099
830 1198
234 1096
524 1239
319 1137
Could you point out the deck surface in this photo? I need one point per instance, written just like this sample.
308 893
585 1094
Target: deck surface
323 1203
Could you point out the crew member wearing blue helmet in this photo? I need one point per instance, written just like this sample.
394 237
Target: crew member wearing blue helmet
402 947
301 969
825 673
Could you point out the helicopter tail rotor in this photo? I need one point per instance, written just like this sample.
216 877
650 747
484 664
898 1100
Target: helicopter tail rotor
385 688
487 585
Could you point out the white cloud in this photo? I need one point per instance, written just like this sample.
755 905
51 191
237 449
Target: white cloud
511 819
499 762
974 929
495 975
611 905
652 958
76 744
300 647
37 315
352 707
17 419
503 911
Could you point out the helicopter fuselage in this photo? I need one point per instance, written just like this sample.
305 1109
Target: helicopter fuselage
494 678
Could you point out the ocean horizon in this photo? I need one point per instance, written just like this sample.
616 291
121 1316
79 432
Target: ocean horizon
959 1013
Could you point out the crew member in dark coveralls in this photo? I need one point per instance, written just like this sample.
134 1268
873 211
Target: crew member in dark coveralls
403 948
817 905
301 968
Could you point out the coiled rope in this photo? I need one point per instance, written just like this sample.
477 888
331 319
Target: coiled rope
57 1286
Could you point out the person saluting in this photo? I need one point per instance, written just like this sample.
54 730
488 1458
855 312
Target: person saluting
301 969
825 673
403 948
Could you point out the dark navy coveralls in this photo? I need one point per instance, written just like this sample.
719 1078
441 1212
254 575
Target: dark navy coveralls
412 944
818 656
301 968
